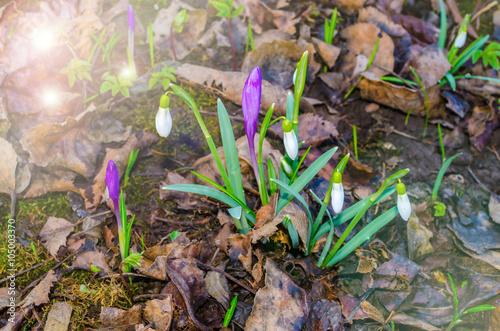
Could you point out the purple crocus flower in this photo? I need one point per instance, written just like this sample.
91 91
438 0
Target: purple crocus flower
250 102
131 27
131 18
113 182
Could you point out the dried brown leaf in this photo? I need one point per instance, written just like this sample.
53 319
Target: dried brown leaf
159 312
54 234
59 317
280 305
120 320
98 259
40 294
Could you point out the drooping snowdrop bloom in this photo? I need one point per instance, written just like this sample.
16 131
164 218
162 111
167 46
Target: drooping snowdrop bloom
337 192
460 40
250 102
163 118
290 139
404 206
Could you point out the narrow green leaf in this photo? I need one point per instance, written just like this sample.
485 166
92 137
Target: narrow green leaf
451 80
477 309
307 175
295 194
442 26
271 173
203 190
364 234
230 312
467 53
440 175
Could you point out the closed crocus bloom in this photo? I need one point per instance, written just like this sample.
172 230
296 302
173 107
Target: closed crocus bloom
163 118
337 192
113 182
404 206
290 140
250 102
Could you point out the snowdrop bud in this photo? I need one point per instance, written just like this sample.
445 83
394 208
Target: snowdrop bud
290 140
163 118
337 192
286 167
460 39
294 76
404 206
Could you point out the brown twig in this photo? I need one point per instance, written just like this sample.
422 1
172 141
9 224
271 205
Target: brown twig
44 275
172 42
125 283
209 267
186 223
232 42
24 271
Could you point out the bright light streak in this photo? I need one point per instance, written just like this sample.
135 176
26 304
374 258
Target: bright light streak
50 98
43 39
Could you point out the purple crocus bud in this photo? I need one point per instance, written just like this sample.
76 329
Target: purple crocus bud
113 181
131 18
250 102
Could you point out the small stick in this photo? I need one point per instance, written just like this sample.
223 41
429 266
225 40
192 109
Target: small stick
232 43
187 223
172 42
125 283
478 181
24 271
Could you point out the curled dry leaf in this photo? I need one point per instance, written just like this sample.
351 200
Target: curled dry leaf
159 312
120 320
241 249
279 59
185 41
313 129
402 318
217 286
54 234
431 65
14 178
483 122
361 39
325 315
375 16
494 208
59 317
421 30
349 7
98 259
230 84
418 238
402 98
280 305
329 53
40 294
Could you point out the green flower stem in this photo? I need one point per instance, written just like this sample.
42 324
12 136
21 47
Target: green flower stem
300 81
181 93
388 182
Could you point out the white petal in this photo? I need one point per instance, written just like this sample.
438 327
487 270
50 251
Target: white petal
404 206
286 167
163 122
337 197
460 40
291 144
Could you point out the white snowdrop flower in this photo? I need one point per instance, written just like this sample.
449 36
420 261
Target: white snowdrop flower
460 39
337 193
163 118
290 140
404 206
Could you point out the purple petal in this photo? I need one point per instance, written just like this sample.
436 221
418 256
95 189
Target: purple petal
131 18
113 181
250 102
